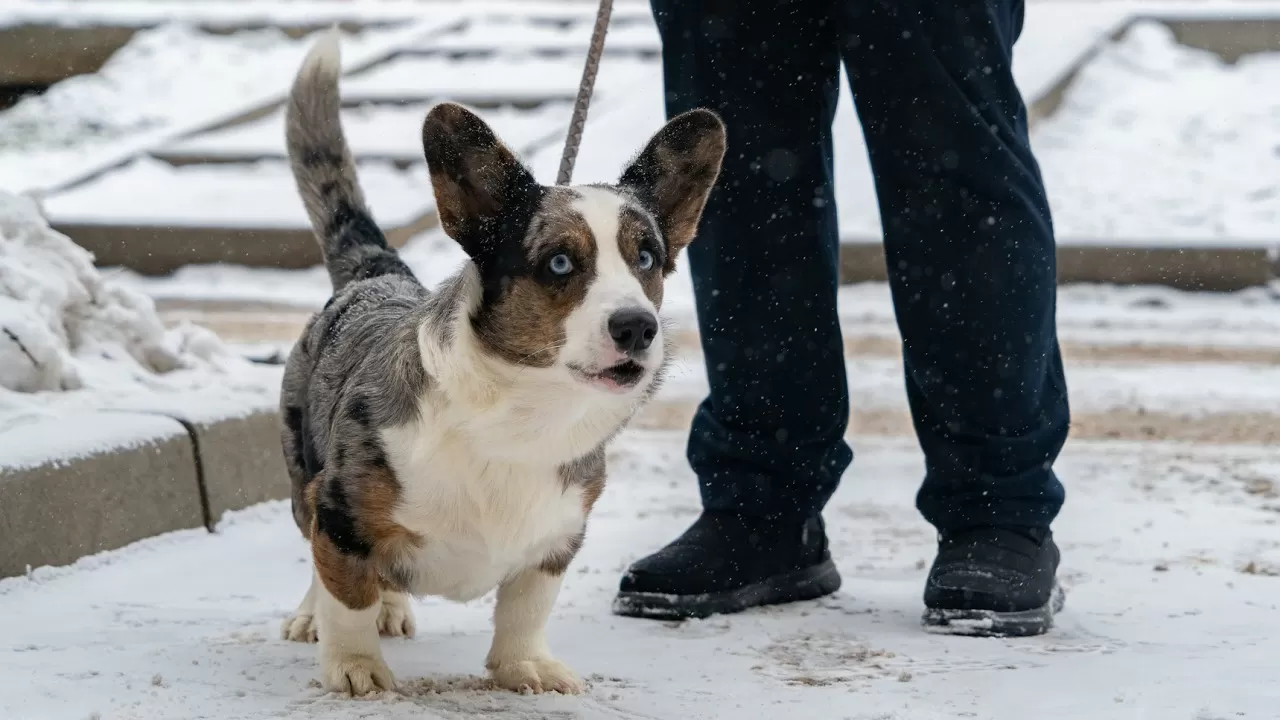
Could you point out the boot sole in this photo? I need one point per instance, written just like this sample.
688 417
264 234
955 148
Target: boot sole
807 584
989 623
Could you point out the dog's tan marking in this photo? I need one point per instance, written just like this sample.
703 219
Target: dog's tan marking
558 224
558 561
525 325
307 509
680 207
674 174
636 233
587 472
357 581
352 580
469 168
591 492
374 500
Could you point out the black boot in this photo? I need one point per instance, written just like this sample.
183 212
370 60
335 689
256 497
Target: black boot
727 563
994 582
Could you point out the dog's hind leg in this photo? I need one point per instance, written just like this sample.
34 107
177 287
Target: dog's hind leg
396 617
301 626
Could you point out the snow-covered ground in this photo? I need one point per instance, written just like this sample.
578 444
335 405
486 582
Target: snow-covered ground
1170 557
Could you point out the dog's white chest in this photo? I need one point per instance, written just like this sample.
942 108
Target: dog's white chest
481 520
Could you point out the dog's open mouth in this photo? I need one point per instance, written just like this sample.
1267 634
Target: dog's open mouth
623 376
626 373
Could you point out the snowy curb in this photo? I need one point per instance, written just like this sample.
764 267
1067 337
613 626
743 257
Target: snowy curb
112 427
73 503
110 478
239 462
161 250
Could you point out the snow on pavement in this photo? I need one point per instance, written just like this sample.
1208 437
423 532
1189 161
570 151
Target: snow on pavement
1170 560
263 194
143 89
1158 140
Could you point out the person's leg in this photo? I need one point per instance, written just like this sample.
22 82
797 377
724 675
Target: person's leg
970 252
767 444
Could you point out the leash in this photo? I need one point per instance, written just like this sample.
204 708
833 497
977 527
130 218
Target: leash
579 119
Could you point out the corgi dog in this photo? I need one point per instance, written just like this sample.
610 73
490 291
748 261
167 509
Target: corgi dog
451 441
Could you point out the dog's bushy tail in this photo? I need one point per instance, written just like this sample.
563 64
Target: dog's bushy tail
353 245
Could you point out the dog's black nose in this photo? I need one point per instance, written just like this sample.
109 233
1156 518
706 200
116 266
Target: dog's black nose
633 330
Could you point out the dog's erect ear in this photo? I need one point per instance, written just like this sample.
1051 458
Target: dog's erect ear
674 173
482 190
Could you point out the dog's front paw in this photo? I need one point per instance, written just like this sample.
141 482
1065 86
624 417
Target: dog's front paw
537 675
356 674
299 628
395 619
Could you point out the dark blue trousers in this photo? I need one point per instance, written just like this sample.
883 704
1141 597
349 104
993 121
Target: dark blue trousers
967 233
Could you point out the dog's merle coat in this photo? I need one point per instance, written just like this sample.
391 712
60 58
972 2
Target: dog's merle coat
450 441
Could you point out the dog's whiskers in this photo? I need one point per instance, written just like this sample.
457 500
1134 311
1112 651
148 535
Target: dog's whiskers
559 344
552 347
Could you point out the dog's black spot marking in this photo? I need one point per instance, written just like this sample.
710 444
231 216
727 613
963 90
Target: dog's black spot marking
311 459
352 227
327 335
384 263
330 327
334 519
293 420
507 258
358 410
314 157
376 264
336 495
374 456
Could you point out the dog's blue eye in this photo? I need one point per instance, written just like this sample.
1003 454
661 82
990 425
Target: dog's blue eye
646 260
560 265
